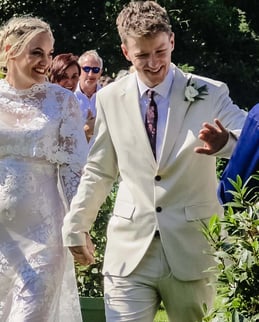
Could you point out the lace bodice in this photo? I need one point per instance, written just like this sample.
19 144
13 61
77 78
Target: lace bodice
44 123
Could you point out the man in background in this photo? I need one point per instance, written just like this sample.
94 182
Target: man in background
91 70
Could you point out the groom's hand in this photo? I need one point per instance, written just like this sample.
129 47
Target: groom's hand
213 136
84 255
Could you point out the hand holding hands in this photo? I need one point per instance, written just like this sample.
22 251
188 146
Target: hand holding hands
84 255
214 137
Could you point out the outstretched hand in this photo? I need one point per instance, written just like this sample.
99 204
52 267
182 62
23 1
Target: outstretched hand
214 138
84 255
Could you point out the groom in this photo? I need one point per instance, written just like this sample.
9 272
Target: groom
155 249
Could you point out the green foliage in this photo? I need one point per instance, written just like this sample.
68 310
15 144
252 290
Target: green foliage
218 38
89 278
221 164
161 316
235 243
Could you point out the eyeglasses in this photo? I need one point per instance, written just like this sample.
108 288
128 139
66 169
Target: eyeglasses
94 69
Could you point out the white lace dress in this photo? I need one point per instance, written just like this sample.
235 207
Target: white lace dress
42 152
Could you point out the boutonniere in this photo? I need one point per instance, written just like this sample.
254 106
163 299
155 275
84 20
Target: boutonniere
193 93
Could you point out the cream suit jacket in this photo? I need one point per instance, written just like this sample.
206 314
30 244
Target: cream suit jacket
174 195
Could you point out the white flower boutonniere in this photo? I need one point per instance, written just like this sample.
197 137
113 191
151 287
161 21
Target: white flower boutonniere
193 93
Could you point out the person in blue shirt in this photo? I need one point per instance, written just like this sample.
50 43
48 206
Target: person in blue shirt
244 160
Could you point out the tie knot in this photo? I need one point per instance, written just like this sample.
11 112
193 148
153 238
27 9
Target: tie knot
150 93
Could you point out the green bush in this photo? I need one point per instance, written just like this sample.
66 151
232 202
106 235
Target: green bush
235 244
89 278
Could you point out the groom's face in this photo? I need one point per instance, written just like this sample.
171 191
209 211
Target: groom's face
151 56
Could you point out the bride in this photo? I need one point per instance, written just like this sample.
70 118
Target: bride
42 152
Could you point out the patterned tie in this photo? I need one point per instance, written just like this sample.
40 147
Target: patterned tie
151 121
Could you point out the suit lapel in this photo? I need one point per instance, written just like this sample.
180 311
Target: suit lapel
178 108
130 103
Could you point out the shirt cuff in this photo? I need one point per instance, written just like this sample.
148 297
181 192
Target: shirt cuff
73 238
229 147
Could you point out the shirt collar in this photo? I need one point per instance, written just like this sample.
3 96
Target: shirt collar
163 88
78 89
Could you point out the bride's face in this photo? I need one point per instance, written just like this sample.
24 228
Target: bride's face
32 65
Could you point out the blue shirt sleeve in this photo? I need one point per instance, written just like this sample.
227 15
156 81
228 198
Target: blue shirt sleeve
245 158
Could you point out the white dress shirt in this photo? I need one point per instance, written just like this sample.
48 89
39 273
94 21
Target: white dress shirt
161 97
85 102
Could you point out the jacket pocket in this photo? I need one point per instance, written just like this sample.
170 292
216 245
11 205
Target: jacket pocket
202 211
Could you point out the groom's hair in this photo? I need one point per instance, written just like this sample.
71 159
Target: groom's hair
142 19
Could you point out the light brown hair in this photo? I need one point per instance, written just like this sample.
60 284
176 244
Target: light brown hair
142 19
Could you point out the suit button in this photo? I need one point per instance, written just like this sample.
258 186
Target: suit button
158 209
157 178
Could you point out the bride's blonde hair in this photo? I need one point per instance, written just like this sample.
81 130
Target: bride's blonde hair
16 33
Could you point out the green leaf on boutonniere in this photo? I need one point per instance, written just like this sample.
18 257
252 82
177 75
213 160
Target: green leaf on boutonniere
193 93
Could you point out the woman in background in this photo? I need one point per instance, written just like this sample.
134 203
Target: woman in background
65 71
42 152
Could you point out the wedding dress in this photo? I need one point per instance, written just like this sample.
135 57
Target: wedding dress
42 152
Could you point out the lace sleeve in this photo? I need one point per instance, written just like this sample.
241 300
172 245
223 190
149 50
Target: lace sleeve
73 148
69 181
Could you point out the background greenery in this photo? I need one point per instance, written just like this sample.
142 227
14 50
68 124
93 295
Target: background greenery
89 278
219 38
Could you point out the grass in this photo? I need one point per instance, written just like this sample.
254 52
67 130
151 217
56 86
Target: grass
161 316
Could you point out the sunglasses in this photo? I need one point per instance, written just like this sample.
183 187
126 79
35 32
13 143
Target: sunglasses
95 70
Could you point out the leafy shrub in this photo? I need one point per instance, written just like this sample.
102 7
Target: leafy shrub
235 243
89 278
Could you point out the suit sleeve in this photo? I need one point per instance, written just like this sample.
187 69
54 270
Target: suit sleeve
96 182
